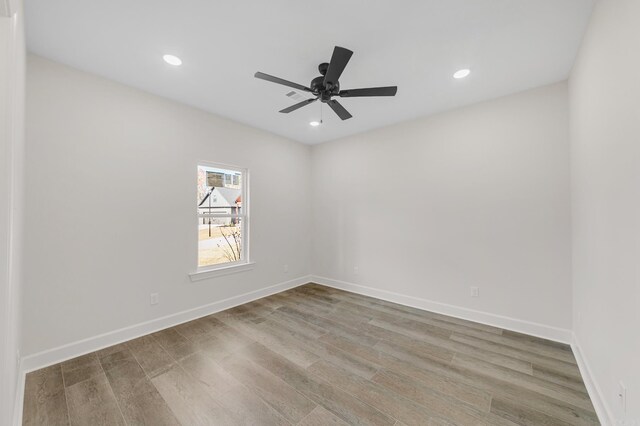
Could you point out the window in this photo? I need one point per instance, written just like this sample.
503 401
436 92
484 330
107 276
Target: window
222 216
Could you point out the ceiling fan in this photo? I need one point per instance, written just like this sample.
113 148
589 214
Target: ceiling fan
326 86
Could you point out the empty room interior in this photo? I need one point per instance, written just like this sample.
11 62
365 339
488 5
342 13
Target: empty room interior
284 212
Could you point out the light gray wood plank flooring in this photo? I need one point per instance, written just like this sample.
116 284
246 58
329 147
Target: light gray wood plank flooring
317 356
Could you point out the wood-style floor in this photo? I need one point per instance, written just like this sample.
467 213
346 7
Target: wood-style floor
317 356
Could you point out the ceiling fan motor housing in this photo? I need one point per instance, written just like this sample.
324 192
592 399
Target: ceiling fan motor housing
319 89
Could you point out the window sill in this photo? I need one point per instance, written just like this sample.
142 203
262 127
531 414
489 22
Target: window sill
219 272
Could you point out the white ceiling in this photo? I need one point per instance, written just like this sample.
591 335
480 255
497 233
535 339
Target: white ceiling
510 46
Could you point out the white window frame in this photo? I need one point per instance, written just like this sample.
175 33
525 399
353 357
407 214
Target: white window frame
204 272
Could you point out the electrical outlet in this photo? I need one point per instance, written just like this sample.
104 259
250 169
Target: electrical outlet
356 270
18 357
622 395
155 298
475 292
285 268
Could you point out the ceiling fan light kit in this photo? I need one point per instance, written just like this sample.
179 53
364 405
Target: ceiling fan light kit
327 85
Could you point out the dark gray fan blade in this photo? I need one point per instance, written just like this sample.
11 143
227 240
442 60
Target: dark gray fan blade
298 105
339 109
277 80
370 91
339 61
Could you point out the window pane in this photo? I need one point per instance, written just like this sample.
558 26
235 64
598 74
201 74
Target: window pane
219 191
219 240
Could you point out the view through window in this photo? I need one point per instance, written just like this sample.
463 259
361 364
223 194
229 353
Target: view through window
222 216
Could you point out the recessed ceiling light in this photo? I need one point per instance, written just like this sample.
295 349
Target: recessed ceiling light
461 73
314 123
172 60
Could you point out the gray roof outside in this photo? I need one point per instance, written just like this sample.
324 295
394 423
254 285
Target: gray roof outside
229 194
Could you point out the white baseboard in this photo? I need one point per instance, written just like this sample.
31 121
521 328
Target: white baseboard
599 403
71 350
81 347
19 400
534 329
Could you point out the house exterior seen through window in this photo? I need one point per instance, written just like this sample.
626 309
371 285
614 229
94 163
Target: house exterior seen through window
222 216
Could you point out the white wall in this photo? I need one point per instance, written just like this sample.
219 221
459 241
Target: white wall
12 53
99 154
605 154
474 197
